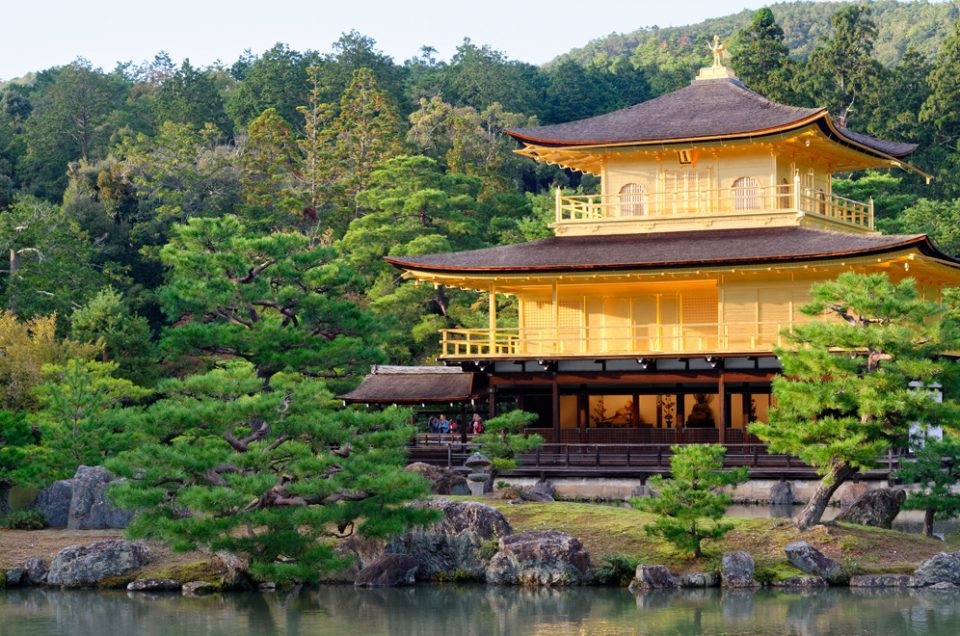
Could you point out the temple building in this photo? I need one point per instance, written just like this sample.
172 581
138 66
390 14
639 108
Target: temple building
652 313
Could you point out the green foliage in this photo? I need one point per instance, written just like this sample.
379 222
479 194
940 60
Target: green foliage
616 569
271 472
503 438
16 438
839 412
79 420
690 496
933 475
106 320
277 300
51 267
760 58
23 520
939 219
28 346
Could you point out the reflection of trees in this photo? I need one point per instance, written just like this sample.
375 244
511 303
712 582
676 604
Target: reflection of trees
479 610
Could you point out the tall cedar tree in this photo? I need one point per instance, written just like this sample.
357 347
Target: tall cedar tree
272 473
691 495
276 300
845 397
367 133
761 59
934 474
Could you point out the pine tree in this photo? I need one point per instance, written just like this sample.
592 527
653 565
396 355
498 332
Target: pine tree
845 395
279 300
933 475
691 495
273 472
503 438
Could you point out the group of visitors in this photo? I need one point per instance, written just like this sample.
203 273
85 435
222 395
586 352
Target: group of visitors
440 424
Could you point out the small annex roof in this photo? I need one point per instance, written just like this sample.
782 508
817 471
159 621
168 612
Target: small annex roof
413 385
664 250
706 109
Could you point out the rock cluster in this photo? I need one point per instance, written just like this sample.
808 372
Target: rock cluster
877 508
541 557
443 482
737 570
88 565
807 558
81 503
941 570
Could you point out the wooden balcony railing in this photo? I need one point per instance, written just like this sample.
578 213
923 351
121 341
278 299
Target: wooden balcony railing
729 201
729 337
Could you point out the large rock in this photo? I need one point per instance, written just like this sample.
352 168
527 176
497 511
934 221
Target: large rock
807 558
87 565
653 577
459 545
154 585
443 482
699 579
943 567
54 502
781 494
390 570
876 508
882 580
89 508
544 557
736 570
802 583
30 572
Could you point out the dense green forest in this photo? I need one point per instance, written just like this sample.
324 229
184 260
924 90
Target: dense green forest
191 247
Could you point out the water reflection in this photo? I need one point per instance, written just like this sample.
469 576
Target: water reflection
478 610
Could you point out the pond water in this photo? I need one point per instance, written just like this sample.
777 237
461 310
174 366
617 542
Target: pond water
481 611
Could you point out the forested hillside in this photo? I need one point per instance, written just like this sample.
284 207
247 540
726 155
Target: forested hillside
900 25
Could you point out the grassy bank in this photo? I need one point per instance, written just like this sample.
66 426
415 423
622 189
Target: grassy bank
608 530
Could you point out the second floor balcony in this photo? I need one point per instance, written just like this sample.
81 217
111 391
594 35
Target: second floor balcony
639 340
745 204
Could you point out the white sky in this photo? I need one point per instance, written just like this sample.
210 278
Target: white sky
38 34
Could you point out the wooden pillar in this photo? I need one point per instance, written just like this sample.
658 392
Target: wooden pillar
463 422
493 319
722 398
583 415
491 402
747 399
635 413
681 410
555 400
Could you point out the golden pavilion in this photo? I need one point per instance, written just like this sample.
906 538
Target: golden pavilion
652 313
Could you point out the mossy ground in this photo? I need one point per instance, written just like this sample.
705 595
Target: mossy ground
609 530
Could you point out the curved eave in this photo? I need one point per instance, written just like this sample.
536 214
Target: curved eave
922 243
821 118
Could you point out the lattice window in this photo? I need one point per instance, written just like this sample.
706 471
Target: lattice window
700 308
746 193
633 199
538 314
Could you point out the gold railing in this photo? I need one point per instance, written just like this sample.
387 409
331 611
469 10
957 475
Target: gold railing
731 337
741 200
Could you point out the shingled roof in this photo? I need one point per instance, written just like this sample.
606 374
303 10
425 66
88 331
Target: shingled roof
413 385
661 250
703 110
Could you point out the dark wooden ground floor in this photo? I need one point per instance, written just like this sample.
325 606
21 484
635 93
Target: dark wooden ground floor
682 407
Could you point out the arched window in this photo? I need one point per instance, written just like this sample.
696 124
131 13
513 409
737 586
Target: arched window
633 199
746 194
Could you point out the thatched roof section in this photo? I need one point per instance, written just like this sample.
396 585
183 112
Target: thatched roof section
663 250
706 109
413 385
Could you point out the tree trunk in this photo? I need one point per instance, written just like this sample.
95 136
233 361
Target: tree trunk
928 522
813 511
